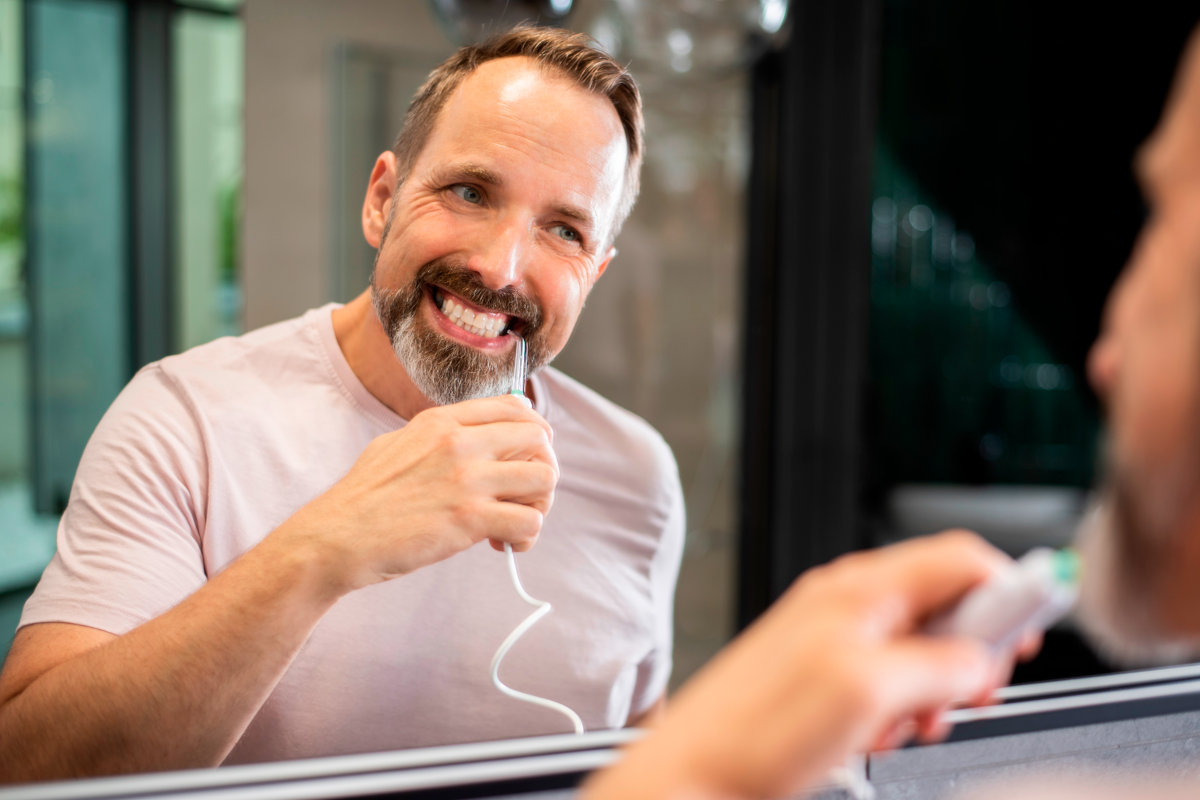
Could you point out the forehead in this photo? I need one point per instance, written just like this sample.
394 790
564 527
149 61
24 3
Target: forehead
516 110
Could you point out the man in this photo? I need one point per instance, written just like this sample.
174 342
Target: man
270 548
839 664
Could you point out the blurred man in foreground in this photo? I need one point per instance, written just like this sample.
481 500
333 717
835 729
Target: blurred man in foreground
839 664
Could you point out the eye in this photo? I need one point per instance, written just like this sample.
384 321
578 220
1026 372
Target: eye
468 193
566 233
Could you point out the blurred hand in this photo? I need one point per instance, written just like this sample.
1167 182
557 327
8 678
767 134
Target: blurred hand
453 476
837 666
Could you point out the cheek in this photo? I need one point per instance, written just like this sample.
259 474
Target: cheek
564 289
562 300
1155 416
413 241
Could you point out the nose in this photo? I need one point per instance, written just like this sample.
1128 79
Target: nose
498 255
1104 359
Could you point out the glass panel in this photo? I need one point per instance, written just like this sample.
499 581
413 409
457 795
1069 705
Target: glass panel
216 5
208 175
26 539
63 335
78 224
13 311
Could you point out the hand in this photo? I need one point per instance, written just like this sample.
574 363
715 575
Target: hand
838 665
453 476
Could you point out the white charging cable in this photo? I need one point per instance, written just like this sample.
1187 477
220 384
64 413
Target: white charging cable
542 608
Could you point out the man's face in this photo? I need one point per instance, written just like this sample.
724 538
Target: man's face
1141 550
501 225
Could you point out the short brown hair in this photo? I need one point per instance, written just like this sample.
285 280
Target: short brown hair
574 54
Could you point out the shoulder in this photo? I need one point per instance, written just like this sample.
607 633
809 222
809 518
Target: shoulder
177 400
266 351
590 419
618 471
607 448
265 365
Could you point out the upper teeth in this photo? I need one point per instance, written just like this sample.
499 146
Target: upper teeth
476 322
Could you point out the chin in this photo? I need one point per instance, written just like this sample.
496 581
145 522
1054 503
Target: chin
1120 599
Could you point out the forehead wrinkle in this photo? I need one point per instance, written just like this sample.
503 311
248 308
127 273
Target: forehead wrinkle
593 168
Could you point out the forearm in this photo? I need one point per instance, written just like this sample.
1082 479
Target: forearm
180 690
177 691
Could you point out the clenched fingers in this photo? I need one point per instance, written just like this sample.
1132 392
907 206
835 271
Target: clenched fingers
486 410
515 441
528 483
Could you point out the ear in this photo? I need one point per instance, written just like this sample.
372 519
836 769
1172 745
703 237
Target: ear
612 251
378 203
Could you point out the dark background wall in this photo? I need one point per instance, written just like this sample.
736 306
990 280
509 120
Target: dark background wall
1018 123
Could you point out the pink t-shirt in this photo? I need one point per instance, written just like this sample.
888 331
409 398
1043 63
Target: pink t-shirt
205 453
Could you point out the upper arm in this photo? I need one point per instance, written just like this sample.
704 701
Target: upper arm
39 648
129 543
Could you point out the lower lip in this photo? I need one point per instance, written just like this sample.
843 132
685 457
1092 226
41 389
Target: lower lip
443 323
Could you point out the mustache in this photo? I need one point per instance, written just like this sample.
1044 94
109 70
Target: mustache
457 279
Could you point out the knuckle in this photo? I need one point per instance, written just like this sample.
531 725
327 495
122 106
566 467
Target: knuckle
461 477
547 476
466 515
532 528
456 442
543 505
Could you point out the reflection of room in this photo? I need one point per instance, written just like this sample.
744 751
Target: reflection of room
325 86
855 296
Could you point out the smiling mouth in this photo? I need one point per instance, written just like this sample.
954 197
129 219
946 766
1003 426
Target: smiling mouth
474 320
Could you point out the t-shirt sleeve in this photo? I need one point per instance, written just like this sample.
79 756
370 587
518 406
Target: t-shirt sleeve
129 542
654 672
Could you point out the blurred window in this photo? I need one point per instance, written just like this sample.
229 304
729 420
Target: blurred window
208 174
68 321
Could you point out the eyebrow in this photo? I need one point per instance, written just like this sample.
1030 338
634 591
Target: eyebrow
577 214
475 172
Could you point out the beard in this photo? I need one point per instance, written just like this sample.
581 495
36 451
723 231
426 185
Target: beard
443 370
1129 545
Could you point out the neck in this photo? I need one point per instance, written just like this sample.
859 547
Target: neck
369 353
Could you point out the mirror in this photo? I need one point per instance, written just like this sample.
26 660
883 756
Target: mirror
262 242
953 235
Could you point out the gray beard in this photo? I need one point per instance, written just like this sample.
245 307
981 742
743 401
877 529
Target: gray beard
1124 554
443 370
